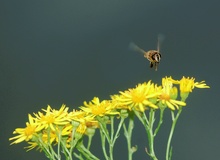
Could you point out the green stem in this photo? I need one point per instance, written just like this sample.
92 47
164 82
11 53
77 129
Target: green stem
140 117
73 141
45 148
128 135
89 141
150 133
160 122
82 149
66 151
50 146
148 125
78 156
111 142
58 145
174 119
103 128
103 144
118 130
104 133
114 137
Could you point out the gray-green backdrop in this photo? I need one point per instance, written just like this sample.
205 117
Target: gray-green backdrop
55 52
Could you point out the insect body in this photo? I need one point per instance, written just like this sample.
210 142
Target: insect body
153 56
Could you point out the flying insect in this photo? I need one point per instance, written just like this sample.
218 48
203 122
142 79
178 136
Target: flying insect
154 56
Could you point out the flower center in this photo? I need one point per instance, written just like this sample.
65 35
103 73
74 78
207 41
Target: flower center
48 119
100 109
165 97
29 130
138 96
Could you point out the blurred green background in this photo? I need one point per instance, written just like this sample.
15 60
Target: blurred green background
55 52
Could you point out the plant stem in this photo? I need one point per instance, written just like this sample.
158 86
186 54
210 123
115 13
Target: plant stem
148 125
103 144
160 122
111 142
174 119
128 135
89 141
85 152
150 133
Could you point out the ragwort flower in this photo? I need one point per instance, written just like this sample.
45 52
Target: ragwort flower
169 95
187 85
53 117
138 98
97 108
27 133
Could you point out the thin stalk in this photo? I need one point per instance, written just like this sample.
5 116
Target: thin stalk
45 148
118 130
89 141
111 143
49 144
128 135
78 156
85 151
150 133
174 119
58 145
148 125
160 122
66 151
73 141
103 144
114 136
104 129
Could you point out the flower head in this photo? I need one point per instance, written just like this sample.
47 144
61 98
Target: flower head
27 133
187 85
83 118
169 94
97 108
31 146
138 98
53 117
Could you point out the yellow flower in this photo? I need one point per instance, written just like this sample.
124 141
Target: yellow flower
80 116
31 146
81 128
138 98
169 95
97 108
49 138
116 99
83 119
53 117
188 84
25 134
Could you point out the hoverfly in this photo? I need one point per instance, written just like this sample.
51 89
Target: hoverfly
153 56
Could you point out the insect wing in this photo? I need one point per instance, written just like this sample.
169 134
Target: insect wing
160 39
135 48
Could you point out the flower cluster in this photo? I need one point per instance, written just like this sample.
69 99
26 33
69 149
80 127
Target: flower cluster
149 95
47 127
51 127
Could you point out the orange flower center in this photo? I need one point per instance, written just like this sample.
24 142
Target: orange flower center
48 119
29 130
165 97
